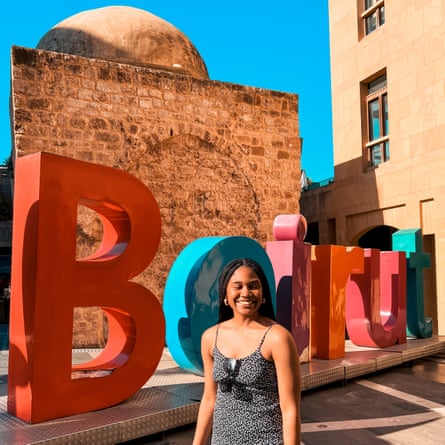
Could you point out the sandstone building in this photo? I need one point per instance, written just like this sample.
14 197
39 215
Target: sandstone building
388 94
120 87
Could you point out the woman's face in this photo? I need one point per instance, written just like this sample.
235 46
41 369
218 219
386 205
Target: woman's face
244 291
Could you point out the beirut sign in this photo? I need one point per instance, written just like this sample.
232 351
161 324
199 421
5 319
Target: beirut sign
317 290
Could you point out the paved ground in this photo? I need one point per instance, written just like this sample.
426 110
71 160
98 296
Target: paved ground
403 405
400 406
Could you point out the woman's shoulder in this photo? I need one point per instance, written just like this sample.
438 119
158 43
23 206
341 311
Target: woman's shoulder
208 340
277 332
278 342
209 334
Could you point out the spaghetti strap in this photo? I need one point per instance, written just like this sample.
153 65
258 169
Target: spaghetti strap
216 335
215 346
264 336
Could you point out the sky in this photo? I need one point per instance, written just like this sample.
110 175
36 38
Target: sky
281 45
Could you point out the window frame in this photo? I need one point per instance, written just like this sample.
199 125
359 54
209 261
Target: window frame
381 143
378 7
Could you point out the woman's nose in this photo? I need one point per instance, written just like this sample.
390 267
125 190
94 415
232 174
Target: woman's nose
245 291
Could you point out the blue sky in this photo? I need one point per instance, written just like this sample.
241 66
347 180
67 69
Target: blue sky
282 45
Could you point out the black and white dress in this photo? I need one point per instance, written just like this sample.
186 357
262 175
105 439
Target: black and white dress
247 409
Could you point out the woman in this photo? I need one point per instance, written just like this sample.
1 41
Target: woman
251 367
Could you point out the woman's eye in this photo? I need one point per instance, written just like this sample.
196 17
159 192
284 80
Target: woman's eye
250 286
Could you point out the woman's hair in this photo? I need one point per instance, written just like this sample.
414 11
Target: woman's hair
225 312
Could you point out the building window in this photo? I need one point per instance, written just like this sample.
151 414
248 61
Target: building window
373 15
377 145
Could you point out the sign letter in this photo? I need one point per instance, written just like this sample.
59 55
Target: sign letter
48 282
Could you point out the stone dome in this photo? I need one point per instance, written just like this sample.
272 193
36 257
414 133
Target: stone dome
127 35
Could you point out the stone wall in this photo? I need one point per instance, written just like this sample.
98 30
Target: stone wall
221 159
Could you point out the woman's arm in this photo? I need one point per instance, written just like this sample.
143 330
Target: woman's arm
205 413
287 364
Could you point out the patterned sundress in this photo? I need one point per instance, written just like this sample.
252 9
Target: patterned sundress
247 409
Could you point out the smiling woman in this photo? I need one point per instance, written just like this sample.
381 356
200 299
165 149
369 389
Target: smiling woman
231 284
251 367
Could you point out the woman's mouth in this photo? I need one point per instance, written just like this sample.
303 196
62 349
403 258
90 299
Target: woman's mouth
244 301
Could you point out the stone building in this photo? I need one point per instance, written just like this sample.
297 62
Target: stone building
120 87
388 71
